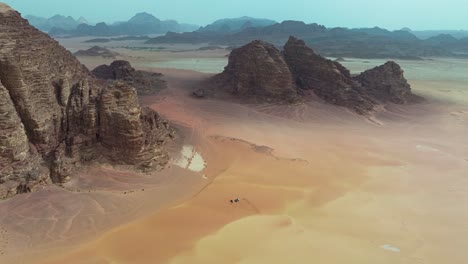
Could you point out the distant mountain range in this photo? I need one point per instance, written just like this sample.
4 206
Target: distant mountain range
140 24
57 21
424 34
236 24
339 42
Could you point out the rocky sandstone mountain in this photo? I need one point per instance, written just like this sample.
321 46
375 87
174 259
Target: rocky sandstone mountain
387 83
328 79
258 70
146 83
55 116
134 134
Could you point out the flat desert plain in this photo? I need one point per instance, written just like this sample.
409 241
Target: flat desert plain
316 183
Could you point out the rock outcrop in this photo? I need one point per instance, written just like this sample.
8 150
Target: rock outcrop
97 51
135 135
328 79
146 83
258 71
387 83
54 116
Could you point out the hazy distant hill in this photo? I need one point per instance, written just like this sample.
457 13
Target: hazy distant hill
236 24
140 24
424 34
340 42
57 21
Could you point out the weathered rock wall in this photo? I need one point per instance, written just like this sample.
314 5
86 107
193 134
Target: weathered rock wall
54 116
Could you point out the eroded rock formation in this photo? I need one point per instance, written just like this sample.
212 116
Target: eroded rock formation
146 83
258 70
55 116
135 135
328 79
387 83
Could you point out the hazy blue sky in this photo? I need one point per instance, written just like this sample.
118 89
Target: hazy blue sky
392 14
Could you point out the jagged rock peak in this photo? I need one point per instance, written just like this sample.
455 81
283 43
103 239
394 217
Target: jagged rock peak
297 43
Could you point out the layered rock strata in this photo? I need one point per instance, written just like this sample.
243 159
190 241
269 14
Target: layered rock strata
328 79
259 70
54 116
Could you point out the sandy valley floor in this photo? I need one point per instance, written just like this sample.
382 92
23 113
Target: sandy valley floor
316 183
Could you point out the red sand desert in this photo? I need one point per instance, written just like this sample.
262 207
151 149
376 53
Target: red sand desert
316 184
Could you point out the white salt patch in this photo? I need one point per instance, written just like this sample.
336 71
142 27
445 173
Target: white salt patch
390 248
185 155
197 163
426 148
190 159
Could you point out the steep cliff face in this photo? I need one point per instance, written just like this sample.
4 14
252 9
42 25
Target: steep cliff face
50 91
51 109
136 136
19 161
258 70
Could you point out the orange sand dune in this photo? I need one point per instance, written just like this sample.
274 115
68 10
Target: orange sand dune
313 188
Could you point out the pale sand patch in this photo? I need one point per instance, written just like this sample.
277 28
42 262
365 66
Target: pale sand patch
390 248
275 239
426 148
